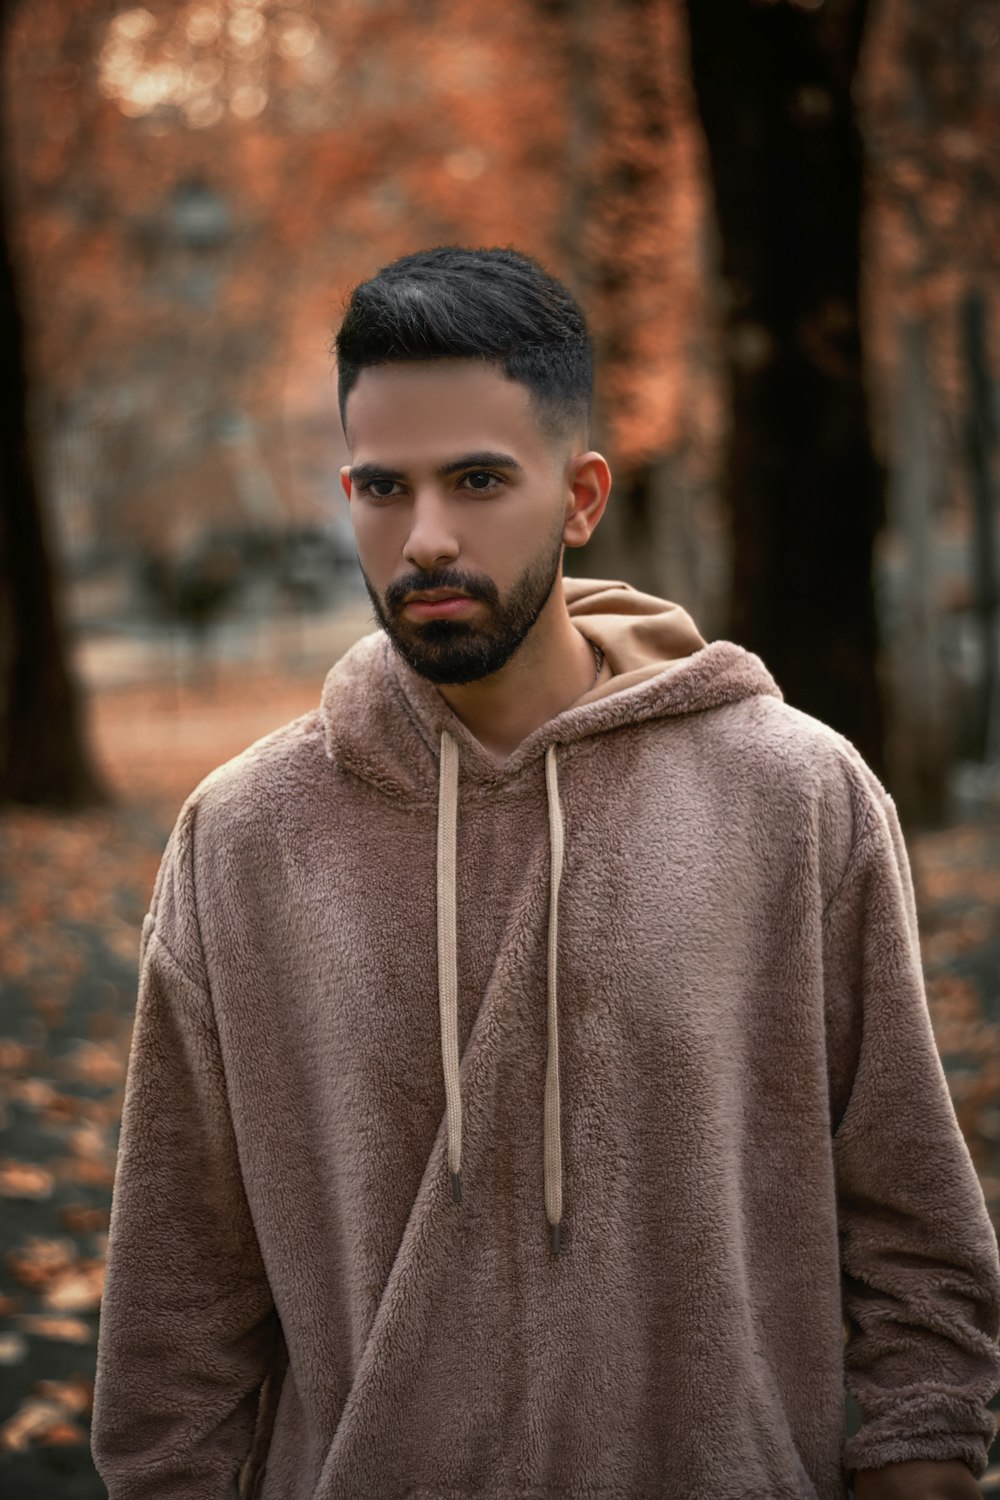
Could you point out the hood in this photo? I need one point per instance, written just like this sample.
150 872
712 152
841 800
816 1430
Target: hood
638 633
385 723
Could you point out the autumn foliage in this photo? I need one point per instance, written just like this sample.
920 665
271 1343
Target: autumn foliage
192 189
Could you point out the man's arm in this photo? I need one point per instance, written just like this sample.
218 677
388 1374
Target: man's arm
187 1320
920 1270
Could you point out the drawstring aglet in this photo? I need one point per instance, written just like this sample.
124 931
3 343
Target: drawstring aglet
456 1186
555 1238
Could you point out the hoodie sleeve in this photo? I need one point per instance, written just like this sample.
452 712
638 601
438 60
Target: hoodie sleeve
187 1321
920 1271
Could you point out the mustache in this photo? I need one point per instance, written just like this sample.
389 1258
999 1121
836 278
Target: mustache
475 585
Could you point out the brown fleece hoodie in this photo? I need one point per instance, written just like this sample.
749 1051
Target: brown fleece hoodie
704 1055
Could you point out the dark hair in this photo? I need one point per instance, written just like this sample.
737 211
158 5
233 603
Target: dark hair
497 305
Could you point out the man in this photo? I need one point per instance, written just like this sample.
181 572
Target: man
532 1090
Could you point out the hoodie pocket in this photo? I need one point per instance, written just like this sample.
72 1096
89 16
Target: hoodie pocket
778 1454
251 1477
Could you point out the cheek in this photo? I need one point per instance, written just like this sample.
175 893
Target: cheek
376 537
525 523
531 531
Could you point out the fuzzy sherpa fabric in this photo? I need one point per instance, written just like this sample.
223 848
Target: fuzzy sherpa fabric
765 1190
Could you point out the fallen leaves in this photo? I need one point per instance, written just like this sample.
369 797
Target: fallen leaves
66 1330
81 1218
23 1179
14 1056
73 892
13 1348
47 1414
78 1289
957 879
96 1062
83 1172
35 1093
38 1261
66 1281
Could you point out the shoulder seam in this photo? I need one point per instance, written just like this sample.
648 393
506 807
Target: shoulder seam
161 942
184 834
860 839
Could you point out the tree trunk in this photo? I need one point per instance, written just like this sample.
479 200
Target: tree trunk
803 488
980 442
624 109
589 129
43 760
922 740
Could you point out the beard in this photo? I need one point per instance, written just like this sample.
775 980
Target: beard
452 652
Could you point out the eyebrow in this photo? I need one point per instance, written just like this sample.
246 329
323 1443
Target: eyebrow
368 473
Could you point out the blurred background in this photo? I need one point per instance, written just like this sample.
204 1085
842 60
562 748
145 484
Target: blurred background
782 217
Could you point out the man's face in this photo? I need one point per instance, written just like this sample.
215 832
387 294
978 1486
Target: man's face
458 500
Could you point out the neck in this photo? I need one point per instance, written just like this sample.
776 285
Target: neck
553 666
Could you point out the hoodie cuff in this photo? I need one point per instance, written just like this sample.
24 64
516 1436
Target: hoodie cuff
873 1447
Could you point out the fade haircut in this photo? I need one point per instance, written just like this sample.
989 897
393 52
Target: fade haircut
496 305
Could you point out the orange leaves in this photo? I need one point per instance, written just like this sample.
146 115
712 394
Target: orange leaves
48 1415
36 1093
74 892
84 1172
337 137
21 1179
957 878
640 225
77 1288
13 1055
80 1218
157 740
96 1062
40 1261
65 1330
64 875
51 1267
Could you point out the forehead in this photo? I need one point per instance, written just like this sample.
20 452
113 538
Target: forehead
410 413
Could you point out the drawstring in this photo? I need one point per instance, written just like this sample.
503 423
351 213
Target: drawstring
448 979
447 955
553 1143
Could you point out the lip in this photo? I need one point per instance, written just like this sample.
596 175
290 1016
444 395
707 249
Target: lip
435 605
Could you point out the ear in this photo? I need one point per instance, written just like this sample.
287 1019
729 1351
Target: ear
588 480
345 480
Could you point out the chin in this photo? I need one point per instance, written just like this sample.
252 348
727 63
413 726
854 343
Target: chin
450 660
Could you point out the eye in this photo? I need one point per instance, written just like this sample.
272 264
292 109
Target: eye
482 481
379 489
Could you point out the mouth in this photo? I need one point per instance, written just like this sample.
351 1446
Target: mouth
438 604
434 596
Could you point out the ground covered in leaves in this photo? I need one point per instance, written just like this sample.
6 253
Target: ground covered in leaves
73 891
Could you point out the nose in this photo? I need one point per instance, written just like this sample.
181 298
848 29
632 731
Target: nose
431 541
